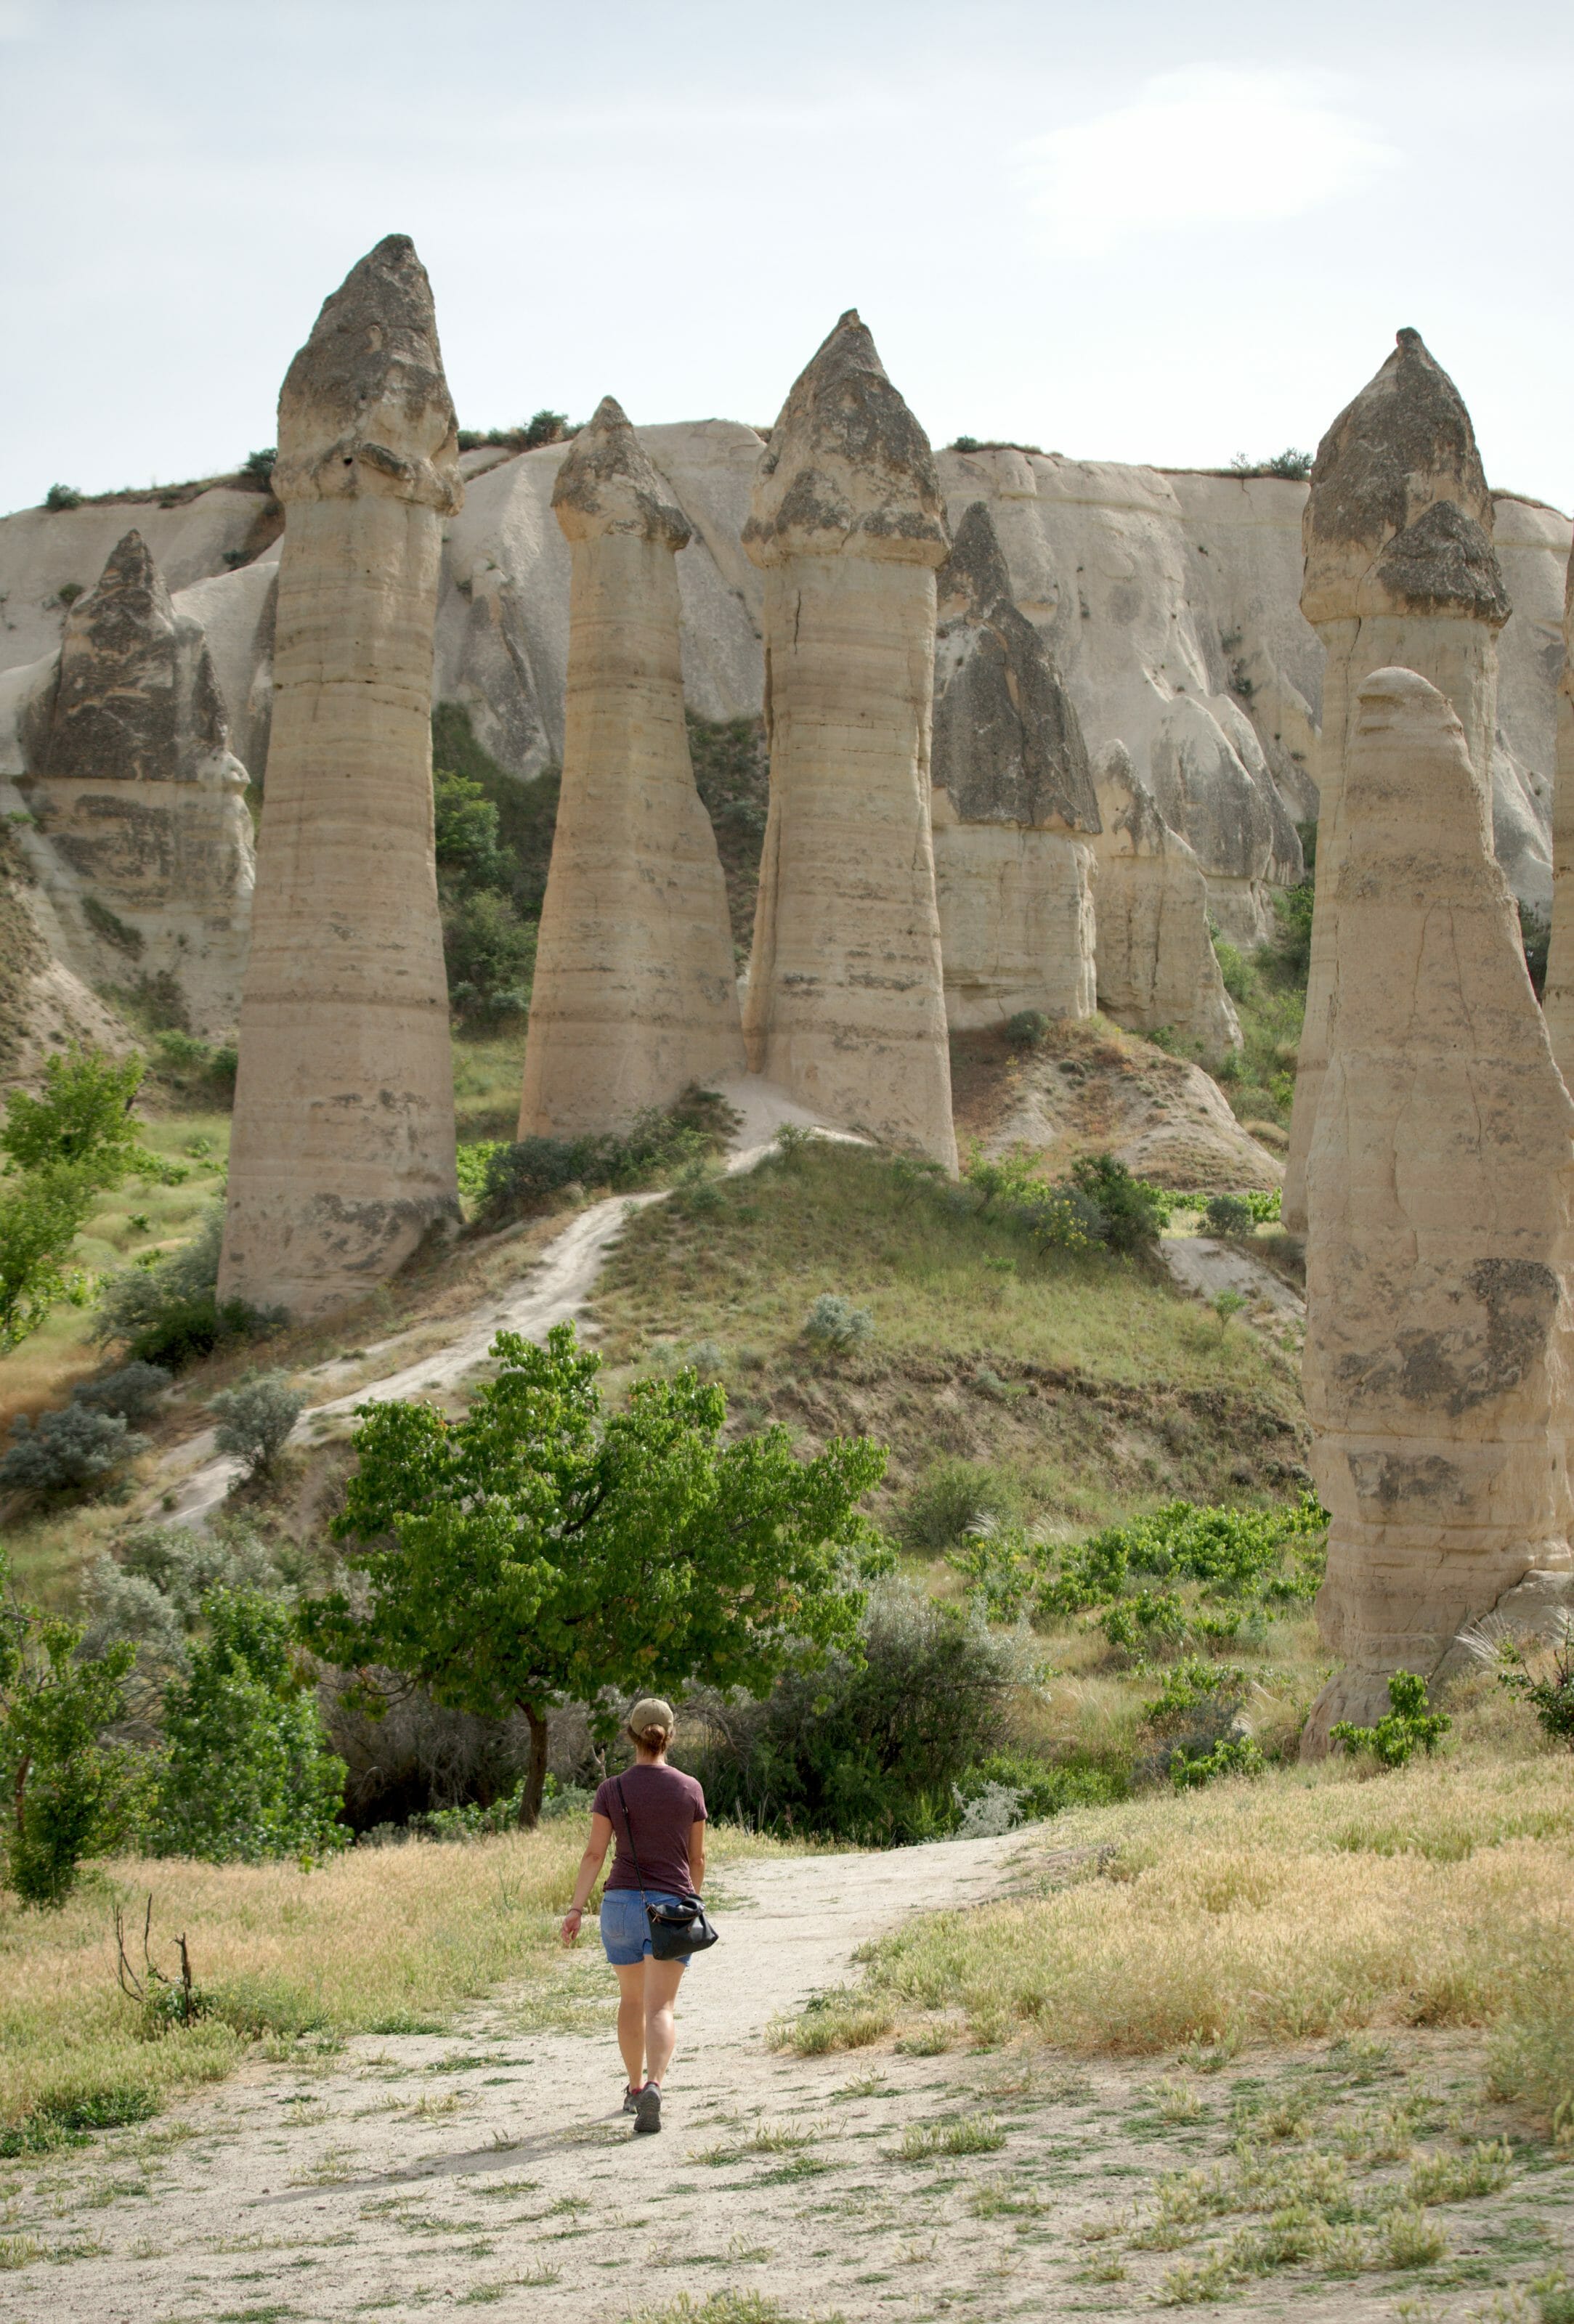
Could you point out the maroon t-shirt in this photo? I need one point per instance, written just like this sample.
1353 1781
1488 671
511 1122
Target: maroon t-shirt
663 1806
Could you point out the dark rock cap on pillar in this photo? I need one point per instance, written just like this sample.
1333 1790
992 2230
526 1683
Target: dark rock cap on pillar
607 483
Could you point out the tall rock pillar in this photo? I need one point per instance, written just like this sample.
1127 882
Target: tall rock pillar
1013 795
1560 992
1439 1341
846 1006
343 1149
1157 966
1400 572
636 991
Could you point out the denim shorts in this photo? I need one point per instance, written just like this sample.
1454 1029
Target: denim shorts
624 1931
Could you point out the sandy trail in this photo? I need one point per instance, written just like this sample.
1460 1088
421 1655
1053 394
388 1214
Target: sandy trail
492 2165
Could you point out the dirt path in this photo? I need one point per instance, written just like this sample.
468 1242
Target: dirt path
492 2166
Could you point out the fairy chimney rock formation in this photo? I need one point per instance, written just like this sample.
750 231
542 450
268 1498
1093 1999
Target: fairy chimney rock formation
138 792
1558 999
1400 572
636 991
1155 959
846 1004
1439 1344
342 1155
1012 794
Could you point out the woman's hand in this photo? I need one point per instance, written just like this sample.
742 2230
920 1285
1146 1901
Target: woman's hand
571 1920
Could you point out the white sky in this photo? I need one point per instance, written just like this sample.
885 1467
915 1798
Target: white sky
1120 229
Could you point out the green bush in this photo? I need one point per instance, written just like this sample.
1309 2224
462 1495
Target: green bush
1407 1728
66 1450
1551 1691
873 1747
69 1792
258 467
247 1773
522 1176
255 1417
133 1390
948 1500
1028 1030
1229 1214
490 953
1232 968
833 1321
1132 1218
170 1313
1231 1755
62 496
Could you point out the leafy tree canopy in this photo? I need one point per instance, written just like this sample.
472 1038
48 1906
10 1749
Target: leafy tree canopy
539 1551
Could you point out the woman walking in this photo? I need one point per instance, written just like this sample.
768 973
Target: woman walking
657 1813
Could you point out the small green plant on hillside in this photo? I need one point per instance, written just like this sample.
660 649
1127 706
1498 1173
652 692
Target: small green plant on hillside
196 1069
247 1772
1230 1214
69 1791
522 1177
1232 965
543 1550
1231 1755
255 1418
1100 1203
1226 1305
1407 1727
833 1321
949 1500
69 1450
1544 1681
62 496
257 467
1028 1030
1290 462
1001 1565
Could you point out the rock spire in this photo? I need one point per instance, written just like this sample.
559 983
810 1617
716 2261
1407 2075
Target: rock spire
636 991
343 1150
1439 1346
1400 571
138 791
846 1006
1560 992
1156 957
1012 793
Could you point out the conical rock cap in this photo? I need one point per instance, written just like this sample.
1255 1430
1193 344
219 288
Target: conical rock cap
607 483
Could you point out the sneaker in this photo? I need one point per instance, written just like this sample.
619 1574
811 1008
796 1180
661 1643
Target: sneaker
647 2107
630 2100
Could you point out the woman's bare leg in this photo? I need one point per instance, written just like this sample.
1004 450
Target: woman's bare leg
661 2035
631 2019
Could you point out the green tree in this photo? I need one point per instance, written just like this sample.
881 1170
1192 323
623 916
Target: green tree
539 1551
40 1217
71 1793
248 1772
466 832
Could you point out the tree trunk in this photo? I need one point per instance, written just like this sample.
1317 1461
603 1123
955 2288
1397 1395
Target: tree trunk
535 1776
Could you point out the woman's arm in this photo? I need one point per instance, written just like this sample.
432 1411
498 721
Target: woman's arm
696 1856
590 1864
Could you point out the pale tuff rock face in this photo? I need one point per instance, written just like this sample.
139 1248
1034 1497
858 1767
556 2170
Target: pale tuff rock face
364 407
847 466
845 1007
1400 573
1559 992
1012 785
1440 1339
136 789
342 1157
635 992
1156 965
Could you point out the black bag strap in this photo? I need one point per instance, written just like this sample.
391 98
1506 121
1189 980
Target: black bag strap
628 1828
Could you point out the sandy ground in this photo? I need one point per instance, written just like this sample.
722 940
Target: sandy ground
492 2166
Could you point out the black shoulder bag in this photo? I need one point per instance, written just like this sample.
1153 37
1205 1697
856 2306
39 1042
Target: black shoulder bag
676 1930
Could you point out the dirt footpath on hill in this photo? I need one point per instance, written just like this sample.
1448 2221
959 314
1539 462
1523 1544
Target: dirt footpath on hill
492 2166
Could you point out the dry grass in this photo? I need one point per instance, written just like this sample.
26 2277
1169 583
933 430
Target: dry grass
379 1940
1300 1906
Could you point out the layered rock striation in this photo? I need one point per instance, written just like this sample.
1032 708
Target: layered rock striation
342 1155
1559 996
846 1006
1012 799
635 989
1156 963
1400 572
134 785
1439 1346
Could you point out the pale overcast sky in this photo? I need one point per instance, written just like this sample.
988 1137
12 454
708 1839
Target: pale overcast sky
1126 230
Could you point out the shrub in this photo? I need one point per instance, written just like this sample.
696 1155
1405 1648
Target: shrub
40 1218
522 1176
833 1321
1133 1217
68 1450
1407 1728
1027 1029
258 467
1551 1692
1232 968
170 1313
69 1793
1535 935
465 830
1242 1559
62 496
248 1773
1291 950
195 1066
948 1501
490 953
1230 1214
1231 1755
132 1391
872 1747
255 1417
1001 1565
